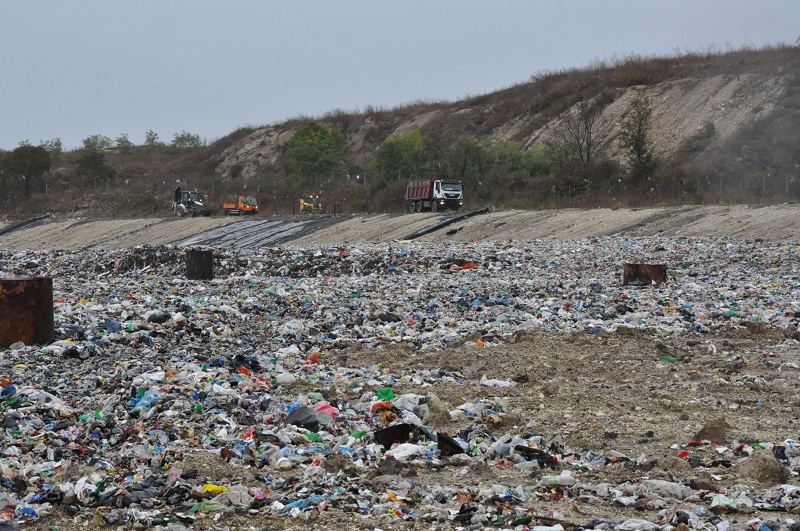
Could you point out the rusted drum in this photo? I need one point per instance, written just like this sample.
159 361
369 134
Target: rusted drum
26 310
199 265
644 274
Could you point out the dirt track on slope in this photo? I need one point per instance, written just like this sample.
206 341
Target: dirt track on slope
777 222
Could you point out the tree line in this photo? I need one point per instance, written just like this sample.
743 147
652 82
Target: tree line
27 168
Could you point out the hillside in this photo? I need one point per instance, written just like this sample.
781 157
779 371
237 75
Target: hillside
681 109
722 129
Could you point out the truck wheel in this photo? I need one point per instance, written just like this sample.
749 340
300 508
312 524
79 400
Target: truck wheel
434 206
411 207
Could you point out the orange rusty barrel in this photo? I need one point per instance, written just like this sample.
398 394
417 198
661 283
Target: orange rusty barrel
26 310
644 274
199 265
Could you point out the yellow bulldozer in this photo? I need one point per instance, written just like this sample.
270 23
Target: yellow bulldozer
310 203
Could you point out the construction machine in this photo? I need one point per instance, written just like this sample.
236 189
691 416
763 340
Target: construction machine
310 203
244 204
189 204
434 195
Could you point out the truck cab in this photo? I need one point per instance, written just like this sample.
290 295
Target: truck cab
245 204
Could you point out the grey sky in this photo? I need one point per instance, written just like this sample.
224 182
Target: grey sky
74 68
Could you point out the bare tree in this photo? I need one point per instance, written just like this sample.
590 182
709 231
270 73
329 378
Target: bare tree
579 135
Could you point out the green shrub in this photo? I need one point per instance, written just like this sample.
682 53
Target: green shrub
699 141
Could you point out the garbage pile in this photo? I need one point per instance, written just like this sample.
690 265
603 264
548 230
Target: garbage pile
152 378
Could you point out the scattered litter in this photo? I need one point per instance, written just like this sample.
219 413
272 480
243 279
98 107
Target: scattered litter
165 401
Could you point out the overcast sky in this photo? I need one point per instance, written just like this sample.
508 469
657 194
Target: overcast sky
75 68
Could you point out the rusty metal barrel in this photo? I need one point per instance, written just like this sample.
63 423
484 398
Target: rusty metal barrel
199 265
643 274
26 310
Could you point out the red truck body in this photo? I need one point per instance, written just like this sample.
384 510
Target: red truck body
419 190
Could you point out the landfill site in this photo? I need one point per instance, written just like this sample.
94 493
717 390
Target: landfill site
628 369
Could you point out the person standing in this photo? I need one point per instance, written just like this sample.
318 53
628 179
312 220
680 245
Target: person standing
176 199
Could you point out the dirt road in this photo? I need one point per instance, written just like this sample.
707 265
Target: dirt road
778 222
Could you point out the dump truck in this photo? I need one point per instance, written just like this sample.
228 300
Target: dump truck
434 195
310 203
244 204
189 204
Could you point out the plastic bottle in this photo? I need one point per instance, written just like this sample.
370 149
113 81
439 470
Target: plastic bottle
146 401
501 447
563 479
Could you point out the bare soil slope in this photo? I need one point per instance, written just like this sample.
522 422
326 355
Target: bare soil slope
681 109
